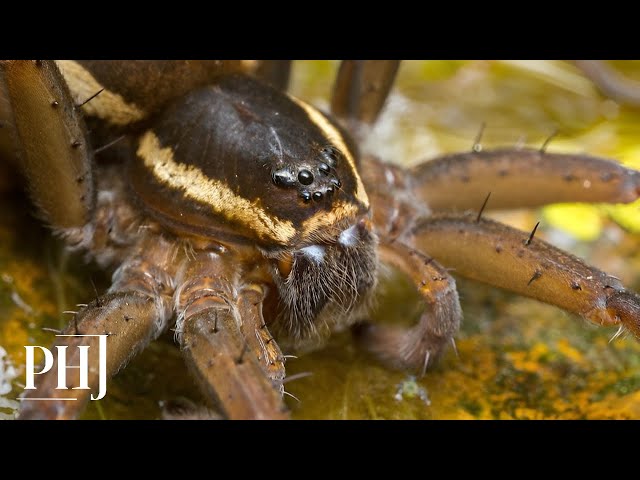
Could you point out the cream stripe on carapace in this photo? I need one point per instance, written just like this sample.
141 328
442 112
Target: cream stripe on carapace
197 186
334 135
108 105
322 219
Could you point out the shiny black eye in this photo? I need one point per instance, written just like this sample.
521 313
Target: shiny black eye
306 196
317 196
305 177
324 168
336 182
331 155
283 178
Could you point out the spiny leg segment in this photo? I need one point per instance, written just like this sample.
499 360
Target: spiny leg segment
416 347
502 256
493 253
520 178
135 311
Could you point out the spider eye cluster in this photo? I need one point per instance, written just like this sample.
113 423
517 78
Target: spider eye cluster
314 182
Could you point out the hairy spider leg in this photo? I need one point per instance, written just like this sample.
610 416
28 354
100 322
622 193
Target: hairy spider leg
217 319
417 347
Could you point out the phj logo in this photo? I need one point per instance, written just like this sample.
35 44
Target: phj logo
84 368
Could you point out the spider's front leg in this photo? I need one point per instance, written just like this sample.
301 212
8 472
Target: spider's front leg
135 311
225 341
128 318
416 347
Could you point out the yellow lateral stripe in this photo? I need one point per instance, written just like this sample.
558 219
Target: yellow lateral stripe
197 186
324 219
334 135
108 105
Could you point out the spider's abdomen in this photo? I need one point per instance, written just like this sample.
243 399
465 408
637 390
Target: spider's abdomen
241 159
133 90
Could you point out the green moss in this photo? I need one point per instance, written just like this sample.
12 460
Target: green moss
622 387
471 406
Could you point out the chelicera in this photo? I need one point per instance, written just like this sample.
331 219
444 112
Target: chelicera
249 219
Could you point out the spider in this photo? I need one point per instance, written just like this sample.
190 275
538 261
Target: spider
246 219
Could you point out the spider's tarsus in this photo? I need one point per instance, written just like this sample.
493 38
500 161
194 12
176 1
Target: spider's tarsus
531 235
484 204
624 306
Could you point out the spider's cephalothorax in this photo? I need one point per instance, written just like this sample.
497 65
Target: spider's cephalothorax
237 212
241 162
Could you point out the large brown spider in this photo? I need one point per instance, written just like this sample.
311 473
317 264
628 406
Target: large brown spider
239 211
